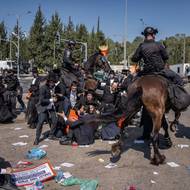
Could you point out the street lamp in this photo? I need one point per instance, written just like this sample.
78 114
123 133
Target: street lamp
18 42
126 64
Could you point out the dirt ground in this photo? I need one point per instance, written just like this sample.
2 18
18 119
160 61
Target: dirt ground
134 167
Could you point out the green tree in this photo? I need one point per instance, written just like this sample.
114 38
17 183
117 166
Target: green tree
53 32
3 44
37 42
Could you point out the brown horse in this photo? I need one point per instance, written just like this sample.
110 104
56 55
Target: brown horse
152 92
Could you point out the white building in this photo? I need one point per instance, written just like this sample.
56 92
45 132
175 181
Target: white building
182 69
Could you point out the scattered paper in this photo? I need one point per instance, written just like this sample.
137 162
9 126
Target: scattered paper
46 140
101 160
173 164
183 146
67 175
43 146
23 136
66 164
17 128
155 173
112 142
19 144
84 146
138 141
111 165
57 167
152 181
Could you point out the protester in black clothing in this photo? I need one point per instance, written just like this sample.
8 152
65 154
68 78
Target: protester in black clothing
110 94
127 79
12 84
19 98
46 109
5 175
33 98
5 110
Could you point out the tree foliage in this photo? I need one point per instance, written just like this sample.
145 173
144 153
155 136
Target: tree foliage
46 41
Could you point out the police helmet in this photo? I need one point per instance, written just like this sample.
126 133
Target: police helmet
149 31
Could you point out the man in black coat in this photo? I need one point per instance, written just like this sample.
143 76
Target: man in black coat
12 84
46 109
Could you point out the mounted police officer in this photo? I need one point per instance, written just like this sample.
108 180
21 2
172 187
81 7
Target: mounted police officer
68 60
154 55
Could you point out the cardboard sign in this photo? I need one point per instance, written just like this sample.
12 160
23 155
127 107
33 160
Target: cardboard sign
29 176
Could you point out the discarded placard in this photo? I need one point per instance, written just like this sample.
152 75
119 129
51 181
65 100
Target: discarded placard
22 163
111 165
19 144
173 164
27 177
66 164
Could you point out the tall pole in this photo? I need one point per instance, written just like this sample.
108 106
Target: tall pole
125 37
10 51
18 49
184 48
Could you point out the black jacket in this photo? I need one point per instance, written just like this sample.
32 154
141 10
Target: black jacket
153 54
12 82
84 132
68 61
44 98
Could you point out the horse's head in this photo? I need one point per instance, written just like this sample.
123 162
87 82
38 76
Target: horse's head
102 63
97 62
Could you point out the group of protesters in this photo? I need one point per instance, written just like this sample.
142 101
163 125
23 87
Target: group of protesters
10 92
66 109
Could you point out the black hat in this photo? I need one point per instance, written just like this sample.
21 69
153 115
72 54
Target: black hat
108 109
57 72
34 70
90 92
112 72
93 103
149 30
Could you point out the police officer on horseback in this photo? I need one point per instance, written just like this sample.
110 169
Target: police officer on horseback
68 60
153 53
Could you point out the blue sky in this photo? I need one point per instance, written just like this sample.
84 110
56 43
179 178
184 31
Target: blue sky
169 16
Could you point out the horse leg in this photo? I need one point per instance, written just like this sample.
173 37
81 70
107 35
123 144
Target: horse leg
175 122
157 158
117 148
166 135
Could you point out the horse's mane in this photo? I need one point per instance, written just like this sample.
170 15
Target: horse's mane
92 57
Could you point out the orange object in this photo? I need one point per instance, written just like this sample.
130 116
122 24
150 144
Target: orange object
104 53
29 94
120 121
72 116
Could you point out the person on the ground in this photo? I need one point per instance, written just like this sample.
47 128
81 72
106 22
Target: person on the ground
82 132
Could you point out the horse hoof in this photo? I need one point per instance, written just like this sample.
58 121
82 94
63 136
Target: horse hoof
115 159
162 159
154 161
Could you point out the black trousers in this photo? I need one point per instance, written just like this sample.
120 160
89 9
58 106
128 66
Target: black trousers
19 98
49 115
